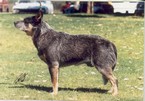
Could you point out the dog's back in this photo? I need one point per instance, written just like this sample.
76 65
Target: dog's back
70 49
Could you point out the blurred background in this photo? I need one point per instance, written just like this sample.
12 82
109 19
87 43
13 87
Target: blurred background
70 7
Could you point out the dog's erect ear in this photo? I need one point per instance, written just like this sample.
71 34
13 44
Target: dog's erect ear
39 16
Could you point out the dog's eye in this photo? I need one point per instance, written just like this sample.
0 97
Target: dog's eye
25 21
28 20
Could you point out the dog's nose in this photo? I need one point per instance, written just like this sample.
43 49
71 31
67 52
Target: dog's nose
14 23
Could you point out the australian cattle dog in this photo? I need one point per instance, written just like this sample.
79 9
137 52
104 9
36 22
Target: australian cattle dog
58 49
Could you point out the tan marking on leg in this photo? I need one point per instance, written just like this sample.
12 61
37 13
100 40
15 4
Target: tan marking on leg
109 75
113 81
54 78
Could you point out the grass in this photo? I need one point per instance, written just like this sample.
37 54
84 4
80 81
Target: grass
18 55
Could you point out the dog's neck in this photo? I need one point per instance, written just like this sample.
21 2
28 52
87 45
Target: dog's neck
42 29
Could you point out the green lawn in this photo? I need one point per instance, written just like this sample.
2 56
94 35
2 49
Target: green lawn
18 55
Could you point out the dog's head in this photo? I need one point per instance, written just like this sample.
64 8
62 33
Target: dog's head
29 24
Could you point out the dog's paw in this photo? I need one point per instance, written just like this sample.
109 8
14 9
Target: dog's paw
111 90
53 93
115 93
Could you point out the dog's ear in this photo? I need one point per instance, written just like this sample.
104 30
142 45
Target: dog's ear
39 16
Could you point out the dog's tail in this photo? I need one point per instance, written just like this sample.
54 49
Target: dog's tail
105 80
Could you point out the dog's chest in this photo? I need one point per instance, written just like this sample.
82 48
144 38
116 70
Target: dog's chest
43 57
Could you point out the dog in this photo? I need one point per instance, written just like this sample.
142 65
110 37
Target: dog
59 49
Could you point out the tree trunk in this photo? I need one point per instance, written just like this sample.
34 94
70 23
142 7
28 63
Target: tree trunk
90 7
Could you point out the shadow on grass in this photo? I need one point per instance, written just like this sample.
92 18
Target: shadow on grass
122 14
49 89
5 83
85 15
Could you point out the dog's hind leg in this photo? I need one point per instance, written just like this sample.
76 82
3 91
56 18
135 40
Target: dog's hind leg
105 80
108 75
53 69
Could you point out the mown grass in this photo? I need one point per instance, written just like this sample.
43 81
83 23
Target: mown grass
18 55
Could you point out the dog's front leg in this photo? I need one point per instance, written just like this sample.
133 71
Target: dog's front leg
53 69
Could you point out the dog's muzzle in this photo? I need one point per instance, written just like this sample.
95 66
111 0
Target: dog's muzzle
20 25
